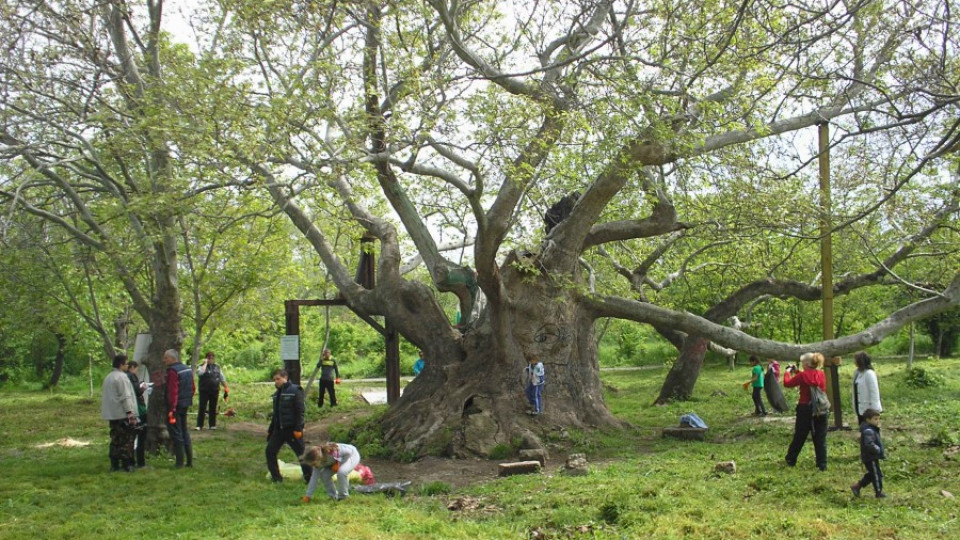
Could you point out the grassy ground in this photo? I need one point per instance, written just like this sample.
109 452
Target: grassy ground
640 484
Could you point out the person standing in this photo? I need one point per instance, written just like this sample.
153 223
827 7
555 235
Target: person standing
534 376
418 365
325 461
871 452
286 424
179 397
139 388
806 423
119 409
866 389
757 383
211 379
329 376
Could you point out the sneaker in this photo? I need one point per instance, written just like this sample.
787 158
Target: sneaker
881 495
198 428
212 427
855 488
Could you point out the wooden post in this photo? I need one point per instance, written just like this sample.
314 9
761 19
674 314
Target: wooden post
392 339
291 311
826 264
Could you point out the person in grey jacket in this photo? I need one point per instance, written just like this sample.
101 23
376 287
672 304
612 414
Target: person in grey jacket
329 376
871 452
119 408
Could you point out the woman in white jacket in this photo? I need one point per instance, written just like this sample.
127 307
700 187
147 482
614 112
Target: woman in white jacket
866 390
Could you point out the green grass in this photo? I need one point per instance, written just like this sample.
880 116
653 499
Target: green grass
640 484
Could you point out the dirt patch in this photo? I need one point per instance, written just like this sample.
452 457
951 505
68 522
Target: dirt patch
65 442
455 473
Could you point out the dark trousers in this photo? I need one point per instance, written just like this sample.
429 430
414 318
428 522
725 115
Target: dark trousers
758 407
874 476
805 425
121 444
275 442
180 435
141 442
327 386
208 406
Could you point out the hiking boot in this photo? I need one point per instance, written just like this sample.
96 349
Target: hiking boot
855 488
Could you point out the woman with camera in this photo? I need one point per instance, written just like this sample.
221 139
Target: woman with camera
806 423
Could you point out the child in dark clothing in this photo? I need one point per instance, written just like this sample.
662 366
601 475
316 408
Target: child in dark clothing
871 452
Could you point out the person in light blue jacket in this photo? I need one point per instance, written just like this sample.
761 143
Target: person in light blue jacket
534 377
418 365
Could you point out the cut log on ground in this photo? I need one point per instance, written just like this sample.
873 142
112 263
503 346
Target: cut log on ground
520 467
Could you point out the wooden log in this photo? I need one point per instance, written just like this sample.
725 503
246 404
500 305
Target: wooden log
519 467
685 433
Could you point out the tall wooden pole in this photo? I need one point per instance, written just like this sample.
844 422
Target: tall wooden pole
826 264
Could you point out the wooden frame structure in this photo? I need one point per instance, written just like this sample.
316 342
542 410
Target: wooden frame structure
366 276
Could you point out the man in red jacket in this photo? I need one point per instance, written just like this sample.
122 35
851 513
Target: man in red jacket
179 396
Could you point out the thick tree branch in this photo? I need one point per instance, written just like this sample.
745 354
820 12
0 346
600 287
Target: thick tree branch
734 339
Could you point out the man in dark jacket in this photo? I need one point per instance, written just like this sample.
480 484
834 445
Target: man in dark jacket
286 425
211 379
179 397
871 452
329 376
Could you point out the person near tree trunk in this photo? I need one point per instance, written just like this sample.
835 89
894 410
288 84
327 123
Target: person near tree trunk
139 388
534 377
179 397
119 408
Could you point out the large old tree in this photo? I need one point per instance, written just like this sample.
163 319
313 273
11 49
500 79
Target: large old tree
678 127
414 117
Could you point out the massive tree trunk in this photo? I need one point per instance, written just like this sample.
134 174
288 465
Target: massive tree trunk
164 319
469 399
